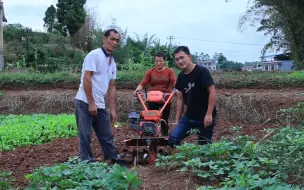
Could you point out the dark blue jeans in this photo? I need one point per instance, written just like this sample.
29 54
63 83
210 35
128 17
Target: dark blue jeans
183 127
102 128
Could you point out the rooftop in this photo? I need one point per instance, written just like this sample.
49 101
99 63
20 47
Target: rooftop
279 57
248 66
270 62
209 60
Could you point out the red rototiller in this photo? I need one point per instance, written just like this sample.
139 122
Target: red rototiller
148 125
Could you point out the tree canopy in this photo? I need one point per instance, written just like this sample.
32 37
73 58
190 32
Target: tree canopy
49 19
283 21
67 19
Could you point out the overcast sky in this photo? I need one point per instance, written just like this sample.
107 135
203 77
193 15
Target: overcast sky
199 24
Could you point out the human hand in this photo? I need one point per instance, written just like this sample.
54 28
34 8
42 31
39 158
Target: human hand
135 93
176 122
113 116
175 91
92 109
208 120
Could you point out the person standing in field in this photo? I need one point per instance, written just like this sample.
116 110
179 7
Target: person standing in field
162 79
196 90
97 79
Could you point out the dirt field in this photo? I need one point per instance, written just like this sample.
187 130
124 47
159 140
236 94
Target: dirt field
252 109
244 105
22 160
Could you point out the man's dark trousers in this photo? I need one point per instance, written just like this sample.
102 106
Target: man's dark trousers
102 128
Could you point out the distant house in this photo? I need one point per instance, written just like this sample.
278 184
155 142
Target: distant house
278 62
248 67
209 64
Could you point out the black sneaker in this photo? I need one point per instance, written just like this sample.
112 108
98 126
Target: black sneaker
121 162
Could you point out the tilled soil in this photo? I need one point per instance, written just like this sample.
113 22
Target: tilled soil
243 105
23 160
249 108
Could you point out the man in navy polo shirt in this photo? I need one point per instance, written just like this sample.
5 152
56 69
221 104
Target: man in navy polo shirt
98 80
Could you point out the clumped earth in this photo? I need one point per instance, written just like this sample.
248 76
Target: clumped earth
22 160
235 108
244 105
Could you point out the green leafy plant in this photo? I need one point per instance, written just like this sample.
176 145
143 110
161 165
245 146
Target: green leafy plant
294 114
76 174
287 147
4 180
17 131
243 164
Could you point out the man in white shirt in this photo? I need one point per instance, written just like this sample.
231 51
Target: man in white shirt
97 80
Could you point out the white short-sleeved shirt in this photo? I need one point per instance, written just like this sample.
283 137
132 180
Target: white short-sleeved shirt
98 62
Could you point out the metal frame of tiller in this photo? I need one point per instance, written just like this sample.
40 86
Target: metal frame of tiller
150 125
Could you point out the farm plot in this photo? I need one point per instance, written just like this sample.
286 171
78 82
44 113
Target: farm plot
17 131
268 159
237 161
241 163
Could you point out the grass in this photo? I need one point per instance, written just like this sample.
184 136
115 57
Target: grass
31 79
261 80
130 79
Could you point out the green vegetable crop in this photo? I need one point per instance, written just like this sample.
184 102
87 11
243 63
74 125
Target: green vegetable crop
17 131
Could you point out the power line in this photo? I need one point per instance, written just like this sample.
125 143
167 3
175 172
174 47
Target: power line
239 43
170 38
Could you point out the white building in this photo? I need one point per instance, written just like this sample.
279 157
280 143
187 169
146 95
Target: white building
278 62
209 64
248 67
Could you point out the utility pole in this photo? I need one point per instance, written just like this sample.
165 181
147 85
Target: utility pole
169 54
27 31
170 38
1 36
90 39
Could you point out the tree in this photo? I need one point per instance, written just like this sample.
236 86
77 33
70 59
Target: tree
86 35
230 65
13 32
166 49
225 64
206 57
195 57
203 56
71 17
283 20
49 19
219 58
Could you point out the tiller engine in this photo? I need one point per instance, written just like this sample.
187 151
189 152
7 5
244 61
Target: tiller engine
148 125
